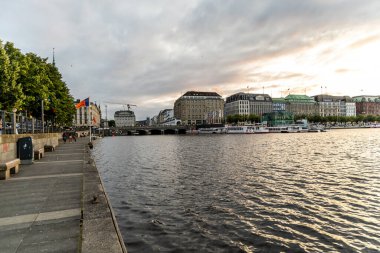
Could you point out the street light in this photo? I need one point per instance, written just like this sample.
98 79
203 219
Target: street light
42 113
14 123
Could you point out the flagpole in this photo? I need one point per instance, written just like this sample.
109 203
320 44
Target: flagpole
90 113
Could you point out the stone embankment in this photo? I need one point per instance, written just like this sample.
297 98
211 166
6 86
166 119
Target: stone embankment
56 204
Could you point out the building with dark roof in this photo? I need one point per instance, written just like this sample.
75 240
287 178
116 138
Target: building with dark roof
248 103
328 105
197 108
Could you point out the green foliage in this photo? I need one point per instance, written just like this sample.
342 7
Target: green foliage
111 123
236 118
27 80
11 95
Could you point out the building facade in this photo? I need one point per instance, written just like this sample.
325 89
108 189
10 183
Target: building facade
196 108
125 118
335 105
300 105
279 104
165 116
328 105
248 103
367 105
87 115
347 106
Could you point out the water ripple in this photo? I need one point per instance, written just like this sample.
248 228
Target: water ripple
238 193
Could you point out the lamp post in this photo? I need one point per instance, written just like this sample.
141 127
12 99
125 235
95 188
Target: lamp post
14 126
42 117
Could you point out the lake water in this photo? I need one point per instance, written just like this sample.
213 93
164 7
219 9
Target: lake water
304 192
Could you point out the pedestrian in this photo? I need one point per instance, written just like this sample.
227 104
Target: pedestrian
1 125
64 137
74 136
70 137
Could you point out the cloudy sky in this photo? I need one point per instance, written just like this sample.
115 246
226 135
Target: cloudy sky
148 53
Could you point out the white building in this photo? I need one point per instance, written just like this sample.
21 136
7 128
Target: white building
125 118
165 116
348 108
153 120
87 115
335 105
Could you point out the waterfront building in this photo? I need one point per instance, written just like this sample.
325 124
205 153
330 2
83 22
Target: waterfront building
300 104
329 105
87 115
367 105
165 116
144 122
196 108
279 118
248 103
347 106
279 104
125 118
153 121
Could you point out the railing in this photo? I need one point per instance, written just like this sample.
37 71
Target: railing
19 123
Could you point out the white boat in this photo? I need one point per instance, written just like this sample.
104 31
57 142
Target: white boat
260 129
286 129
212 130
247 129
239 130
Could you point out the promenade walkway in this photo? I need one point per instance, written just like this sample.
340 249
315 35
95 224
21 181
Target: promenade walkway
47 206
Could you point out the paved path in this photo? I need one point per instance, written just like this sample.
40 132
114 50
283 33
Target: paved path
41 207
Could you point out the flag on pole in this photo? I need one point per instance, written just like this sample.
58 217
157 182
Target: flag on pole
84 102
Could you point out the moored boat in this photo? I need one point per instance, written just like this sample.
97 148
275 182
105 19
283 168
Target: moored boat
212 130
260 129
239 130
286 129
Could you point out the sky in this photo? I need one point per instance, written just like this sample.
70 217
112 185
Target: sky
149 53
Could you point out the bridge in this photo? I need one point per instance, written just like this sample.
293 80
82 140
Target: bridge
147 130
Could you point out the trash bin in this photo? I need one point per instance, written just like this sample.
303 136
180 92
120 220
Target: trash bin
25 150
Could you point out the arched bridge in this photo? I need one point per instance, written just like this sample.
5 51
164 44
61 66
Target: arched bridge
148 130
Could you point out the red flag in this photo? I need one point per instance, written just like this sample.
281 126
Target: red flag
85 102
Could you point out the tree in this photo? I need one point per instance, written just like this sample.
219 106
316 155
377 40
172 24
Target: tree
27 80
253 118
11 94
111 123
61 109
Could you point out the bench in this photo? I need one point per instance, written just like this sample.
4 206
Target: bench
39 153
49 148
8 168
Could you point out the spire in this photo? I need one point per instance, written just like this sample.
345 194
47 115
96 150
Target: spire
53 58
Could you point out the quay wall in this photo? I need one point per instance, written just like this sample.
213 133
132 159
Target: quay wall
100 231
8 143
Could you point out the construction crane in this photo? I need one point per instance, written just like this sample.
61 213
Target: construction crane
123 104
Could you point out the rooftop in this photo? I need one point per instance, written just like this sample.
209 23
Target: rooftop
201 93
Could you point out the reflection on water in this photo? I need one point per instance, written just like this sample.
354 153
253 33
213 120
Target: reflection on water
306 192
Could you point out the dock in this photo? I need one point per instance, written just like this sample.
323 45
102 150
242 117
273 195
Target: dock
58 204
